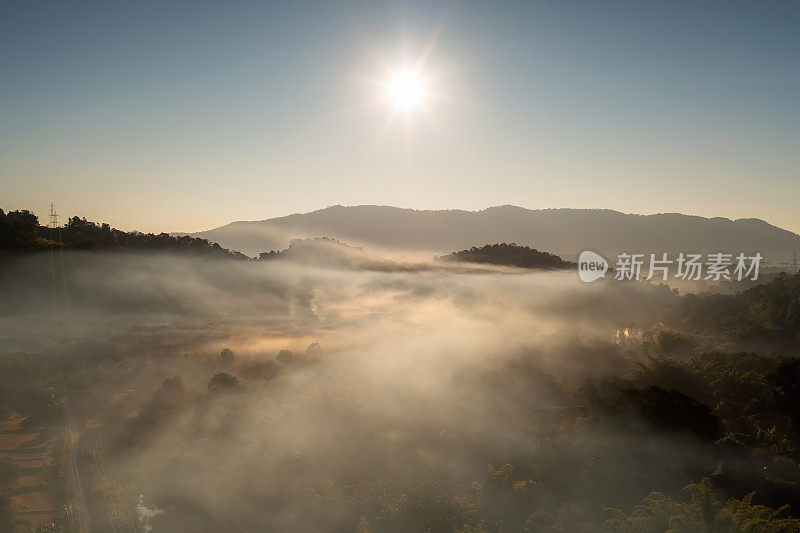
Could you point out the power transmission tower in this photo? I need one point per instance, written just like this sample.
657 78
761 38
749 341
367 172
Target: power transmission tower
53 224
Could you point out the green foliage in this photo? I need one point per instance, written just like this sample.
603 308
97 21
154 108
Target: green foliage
742 515
702 513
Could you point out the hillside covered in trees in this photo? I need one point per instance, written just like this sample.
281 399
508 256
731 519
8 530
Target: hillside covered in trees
509 255
21 231
767 314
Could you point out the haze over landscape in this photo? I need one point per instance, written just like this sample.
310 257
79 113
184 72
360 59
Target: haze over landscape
403 266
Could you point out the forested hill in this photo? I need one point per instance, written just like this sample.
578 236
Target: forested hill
768 313
509 255
20 231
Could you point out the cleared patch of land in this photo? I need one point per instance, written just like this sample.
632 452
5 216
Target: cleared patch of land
32 450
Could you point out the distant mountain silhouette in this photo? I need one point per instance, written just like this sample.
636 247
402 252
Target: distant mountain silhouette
565 232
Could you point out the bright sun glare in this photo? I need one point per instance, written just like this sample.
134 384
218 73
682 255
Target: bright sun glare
407 89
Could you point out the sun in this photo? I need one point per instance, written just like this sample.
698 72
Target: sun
407 89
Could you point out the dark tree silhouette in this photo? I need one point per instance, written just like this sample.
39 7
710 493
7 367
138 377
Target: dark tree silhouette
509 255
21 231
223 381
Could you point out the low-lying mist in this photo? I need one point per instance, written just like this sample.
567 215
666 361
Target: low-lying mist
346 398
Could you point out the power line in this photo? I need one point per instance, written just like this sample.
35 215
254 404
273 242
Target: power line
73 475
119 515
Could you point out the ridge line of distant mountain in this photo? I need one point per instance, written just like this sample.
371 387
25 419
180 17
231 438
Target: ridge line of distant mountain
563 231
492 208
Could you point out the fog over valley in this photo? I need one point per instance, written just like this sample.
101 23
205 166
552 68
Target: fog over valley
399 267
284 395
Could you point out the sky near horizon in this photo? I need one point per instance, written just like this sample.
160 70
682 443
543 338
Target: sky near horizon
184 116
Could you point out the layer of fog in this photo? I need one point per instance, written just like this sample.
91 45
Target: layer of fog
403 369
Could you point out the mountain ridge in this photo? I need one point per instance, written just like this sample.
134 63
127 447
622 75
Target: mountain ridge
565 231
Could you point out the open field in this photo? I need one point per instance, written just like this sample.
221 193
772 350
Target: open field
31 448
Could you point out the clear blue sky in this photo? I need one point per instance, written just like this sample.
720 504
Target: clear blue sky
182 116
